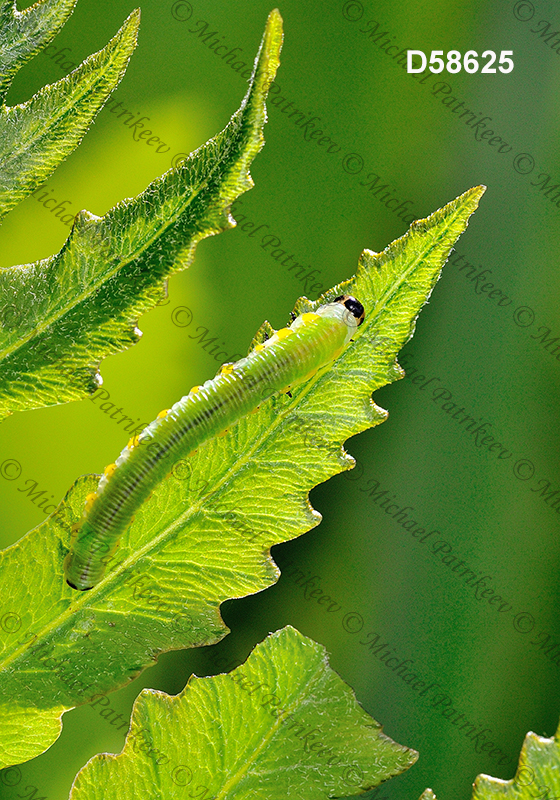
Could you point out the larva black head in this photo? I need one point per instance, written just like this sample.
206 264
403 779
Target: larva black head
353 305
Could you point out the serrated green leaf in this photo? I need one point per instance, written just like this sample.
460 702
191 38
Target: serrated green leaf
537 775
26 33
283 725
62 315
37 135
205 535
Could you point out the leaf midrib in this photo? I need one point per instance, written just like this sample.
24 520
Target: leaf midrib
300 700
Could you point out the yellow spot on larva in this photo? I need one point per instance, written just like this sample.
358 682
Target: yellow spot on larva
223 433
90 499
286 390
195 389
108 471
132 443
259 348
284 332
309 317
227 369
163 413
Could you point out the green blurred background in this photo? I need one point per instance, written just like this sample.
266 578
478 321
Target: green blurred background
318 204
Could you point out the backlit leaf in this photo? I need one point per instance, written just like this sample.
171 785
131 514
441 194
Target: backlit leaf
205 535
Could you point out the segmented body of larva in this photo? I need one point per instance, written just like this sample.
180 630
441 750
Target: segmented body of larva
290 356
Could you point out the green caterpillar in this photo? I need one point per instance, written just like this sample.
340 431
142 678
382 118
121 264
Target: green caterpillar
290 356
